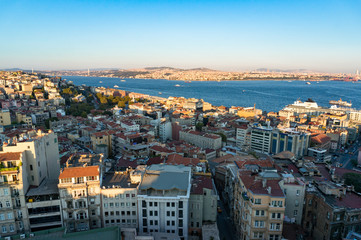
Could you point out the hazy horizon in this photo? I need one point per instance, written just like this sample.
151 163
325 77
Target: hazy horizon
320 36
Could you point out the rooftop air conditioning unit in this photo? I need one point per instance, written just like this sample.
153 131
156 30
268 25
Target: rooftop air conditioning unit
22 236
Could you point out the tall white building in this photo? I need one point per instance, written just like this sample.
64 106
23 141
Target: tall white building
261 138
163 199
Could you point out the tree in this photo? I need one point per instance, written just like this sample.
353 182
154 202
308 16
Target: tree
199 126
224 137
353 179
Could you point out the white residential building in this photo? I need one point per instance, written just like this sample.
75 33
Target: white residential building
163 199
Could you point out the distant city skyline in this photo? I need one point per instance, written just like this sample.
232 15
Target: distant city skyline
321 36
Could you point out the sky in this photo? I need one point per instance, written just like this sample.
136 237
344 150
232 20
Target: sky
225 35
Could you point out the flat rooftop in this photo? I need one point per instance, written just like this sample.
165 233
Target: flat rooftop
118 179
47 187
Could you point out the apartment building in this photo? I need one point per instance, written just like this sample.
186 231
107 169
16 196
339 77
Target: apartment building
163 200
5 117
165 131
13 186
259 205
294 190
243 137
119 200
202 203
203 140
41 151
331 211
79 191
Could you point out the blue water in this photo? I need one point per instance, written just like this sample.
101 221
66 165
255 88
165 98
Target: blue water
267 95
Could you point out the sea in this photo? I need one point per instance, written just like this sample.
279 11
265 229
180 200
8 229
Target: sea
268 95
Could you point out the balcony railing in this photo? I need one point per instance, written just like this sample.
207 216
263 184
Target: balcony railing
9 169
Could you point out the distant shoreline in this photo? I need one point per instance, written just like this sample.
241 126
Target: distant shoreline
257 79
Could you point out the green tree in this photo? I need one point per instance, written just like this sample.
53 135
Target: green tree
353 179
224 137
199 126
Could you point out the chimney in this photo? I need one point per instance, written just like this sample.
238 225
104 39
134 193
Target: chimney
264 182
269 189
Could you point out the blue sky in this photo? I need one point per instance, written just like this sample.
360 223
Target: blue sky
226 35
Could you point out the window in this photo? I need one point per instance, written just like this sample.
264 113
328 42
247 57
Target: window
296 203
328 215
298 192
258 223
180 204
257 201
4 229
2 216
259 212
10 215
173 204
6 192
275 226
7 204
274 237
168 213
11 227
257 234
295 212
105 205
150 204
155 204
31 167
168 204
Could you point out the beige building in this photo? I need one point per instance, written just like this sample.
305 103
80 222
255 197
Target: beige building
5 117
13 186
42 155
259 205
24 118
203 140
79 191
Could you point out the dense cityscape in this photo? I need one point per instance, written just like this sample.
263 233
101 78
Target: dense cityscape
204 74
83 162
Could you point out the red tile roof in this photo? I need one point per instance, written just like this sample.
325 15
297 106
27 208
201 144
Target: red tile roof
79 172
176 159
10 156
199 183
321 139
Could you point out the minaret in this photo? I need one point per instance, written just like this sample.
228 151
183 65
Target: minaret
32 70
88 72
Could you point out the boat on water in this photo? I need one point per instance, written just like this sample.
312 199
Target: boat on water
122 80
308 83
116 86
100 82
244 91
188 81
160 93
340 103
289 81
177 85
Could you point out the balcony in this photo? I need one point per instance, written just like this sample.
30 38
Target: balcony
9 169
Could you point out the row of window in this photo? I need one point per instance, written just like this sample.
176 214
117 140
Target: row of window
9 216
120 213
272 226
11 228
127 195
117 204
123 221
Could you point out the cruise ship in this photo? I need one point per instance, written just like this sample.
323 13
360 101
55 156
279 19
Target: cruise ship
341 103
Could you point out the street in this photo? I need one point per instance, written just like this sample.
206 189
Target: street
225 224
